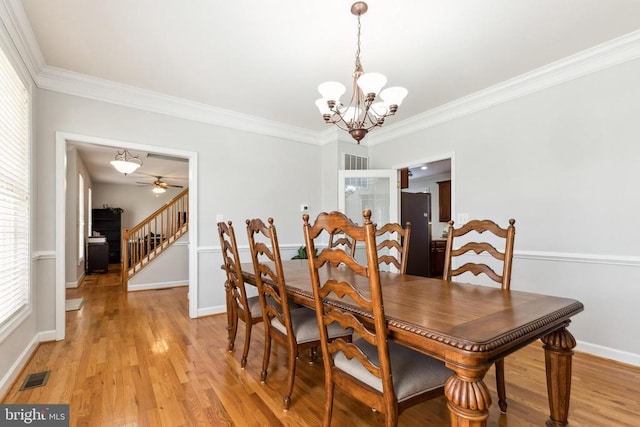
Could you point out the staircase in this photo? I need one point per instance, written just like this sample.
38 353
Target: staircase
144 242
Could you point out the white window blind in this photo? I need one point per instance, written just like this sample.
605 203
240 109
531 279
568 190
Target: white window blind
15 257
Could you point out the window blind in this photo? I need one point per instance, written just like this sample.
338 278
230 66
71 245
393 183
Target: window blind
14 192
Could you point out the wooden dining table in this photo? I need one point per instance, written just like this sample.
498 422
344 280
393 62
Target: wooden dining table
469 327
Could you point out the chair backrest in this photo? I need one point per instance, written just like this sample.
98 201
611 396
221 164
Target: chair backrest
339 239
341 286
231 264
394 234
481 226
267 265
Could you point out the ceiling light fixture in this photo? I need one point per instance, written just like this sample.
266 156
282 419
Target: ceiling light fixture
158 190
125 162
361 114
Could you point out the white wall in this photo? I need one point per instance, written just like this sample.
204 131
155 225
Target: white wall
74 267
565 163
240 175
137 202
170 269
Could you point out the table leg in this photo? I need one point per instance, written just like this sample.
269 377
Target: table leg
558 351
468 398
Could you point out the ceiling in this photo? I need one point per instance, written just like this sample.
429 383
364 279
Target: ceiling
96 159
266 58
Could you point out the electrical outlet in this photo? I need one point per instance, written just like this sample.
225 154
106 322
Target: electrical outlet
219 218
463 218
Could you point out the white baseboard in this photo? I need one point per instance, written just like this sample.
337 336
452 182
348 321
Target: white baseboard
76 283
159 285
208 311
609 353
18 365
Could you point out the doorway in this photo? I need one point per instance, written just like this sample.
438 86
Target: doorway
64 139
428 179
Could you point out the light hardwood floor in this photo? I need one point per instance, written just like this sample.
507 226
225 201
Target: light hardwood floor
138 360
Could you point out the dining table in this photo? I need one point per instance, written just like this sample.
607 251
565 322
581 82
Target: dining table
467 326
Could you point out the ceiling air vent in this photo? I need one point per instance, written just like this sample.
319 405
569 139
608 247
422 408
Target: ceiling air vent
353 162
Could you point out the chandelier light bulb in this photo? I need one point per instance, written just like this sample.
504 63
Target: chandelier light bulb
371 83
379 109
332 91
393 95
322 105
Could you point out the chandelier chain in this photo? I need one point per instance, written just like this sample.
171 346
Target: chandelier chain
358 63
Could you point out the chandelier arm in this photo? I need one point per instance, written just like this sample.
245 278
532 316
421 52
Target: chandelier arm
340 120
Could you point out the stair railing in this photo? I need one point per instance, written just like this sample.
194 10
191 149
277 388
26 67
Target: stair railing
144 242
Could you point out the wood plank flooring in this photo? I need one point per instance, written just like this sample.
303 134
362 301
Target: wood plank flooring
137 359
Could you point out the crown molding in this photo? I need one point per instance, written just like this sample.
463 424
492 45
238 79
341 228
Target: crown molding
605 55
17 25
72 83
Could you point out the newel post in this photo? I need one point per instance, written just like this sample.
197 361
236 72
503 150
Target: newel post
124 265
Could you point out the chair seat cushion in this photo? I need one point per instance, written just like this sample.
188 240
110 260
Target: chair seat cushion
254 306
305 326
413 373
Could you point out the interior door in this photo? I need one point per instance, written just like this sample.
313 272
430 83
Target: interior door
374 189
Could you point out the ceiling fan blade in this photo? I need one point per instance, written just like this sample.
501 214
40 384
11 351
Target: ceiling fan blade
144 183
174 186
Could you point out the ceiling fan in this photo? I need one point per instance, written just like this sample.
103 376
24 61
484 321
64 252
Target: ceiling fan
159 186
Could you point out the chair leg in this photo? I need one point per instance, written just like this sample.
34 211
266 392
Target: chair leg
247 343
313 355
293 355
502 393
266 355
232 327
328 404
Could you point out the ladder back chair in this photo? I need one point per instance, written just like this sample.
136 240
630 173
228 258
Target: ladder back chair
239 305
386 376
387 246
295 329
338 239
506 235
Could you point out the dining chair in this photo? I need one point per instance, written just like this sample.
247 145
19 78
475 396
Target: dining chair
337 239
504 236
239 305
386 376
395 239
295 329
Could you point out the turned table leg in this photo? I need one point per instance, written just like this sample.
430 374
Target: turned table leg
558 350
468 398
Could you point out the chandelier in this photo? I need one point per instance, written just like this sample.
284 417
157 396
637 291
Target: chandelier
362 113
125 162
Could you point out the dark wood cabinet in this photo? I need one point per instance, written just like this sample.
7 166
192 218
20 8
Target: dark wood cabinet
107 223
444 199
438 250
97 257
